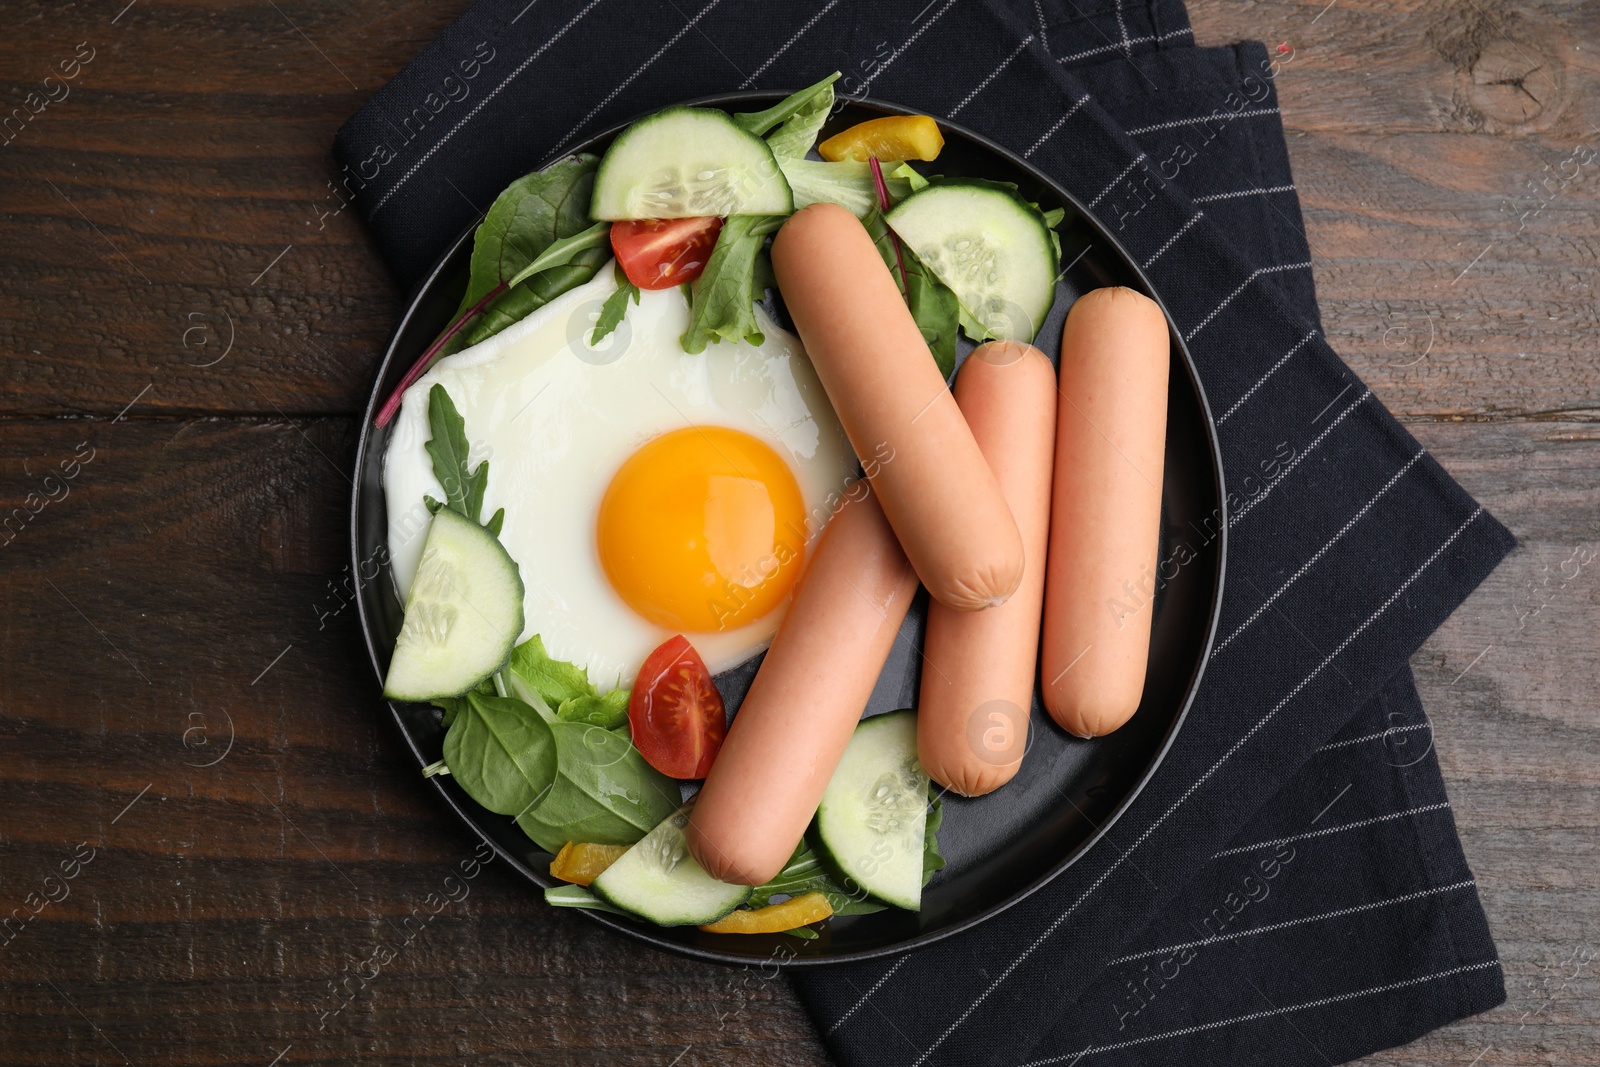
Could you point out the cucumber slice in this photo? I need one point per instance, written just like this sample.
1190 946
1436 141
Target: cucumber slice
463 614
875 810
685 162
658 880
990 247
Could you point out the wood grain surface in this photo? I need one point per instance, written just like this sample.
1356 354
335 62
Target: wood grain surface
187 721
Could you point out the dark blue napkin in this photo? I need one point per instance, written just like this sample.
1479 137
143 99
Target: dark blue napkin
1289 888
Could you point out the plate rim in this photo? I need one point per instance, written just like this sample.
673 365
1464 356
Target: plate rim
638 930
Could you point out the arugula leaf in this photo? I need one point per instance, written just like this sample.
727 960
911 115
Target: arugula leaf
565 250
501 752
532 213
603 790
722 300
548 680
803 932
759 122
932 860
614 308
463 486
805 873
496 521
933 304
798 134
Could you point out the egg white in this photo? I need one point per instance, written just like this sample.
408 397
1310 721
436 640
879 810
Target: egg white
556 418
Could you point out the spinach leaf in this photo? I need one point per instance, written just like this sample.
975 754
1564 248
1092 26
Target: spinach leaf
463 486
798 134
614 308
549 681
532 213
516 304
933 304
603 790
452 705
501 752
722 299
608 712
759 122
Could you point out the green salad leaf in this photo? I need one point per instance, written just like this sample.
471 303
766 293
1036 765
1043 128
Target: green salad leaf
722 300
798 133
543 679
569 774
463 486
577 896
603 790
501 752
807 873
609 712
614 308
533 213
847 183
933 304
932 859
799 105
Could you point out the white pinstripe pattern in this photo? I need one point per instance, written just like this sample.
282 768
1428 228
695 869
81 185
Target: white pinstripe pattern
868 994
1340 913
1122 25
1198 215
1195 786
1038 7
1026 41
490 95
1319 553
1379 736
1233 520
646 65
1320 1002
801 32
898 52
1258 272
1228 116
1071 111
1248 393
1243 192
1103 49
1113 183
1443 805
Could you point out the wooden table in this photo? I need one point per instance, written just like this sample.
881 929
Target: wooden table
189 724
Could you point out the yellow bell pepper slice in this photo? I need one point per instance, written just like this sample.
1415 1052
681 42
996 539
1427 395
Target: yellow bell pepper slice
893 138
797 911
581 862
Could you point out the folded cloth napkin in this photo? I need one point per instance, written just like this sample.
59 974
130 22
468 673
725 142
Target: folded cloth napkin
1289 887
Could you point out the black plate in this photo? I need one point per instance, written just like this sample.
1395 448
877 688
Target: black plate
1001 847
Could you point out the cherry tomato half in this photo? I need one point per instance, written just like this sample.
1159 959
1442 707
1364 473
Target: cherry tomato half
661 253
676 712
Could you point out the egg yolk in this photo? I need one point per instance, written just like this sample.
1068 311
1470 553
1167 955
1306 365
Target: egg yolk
702 529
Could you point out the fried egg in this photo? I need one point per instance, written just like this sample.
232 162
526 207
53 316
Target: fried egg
647 491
